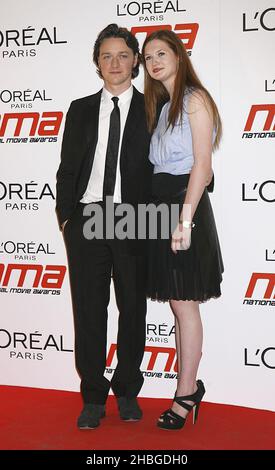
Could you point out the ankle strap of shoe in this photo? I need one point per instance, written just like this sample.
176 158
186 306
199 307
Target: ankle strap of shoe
179 401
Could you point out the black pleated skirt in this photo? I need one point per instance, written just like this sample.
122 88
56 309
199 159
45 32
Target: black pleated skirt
193 274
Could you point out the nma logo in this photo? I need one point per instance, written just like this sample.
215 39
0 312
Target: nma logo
165 357
48 277
44 125
187 32
265 283
264 115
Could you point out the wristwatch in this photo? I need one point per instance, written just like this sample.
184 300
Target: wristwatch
186 223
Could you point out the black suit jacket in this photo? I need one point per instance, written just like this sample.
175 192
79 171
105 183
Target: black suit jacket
78 150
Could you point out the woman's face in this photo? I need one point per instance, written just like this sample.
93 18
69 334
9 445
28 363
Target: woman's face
161 62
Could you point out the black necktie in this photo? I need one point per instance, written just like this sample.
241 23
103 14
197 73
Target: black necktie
112 151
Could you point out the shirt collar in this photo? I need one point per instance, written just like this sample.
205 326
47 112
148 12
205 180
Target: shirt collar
123 97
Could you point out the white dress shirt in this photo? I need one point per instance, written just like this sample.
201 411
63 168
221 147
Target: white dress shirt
94 190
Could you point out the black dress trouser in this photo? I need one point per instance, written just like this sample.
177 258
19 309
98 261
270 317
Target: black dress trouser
92 263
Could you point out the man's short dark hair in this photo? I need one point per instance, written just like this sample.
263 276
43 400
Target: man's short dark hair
115 31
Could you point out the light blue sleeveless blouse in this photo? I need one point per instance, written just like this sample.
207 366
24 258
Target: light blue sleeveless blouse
171 151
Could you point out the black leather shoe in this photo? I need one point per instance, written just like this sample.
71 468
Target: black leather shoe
129 409
90 416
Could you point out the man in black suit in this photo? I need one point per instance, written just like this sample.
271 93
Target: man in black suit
81 180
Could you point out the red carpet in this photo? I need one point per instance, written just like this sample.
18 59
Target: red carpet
45 419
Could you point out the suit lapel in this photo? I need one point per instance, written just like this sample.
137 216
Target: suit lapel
133 116
130 125
91 119
91 126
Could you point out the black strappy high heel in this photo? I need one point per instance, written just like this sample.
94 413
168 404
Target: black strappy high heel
171 420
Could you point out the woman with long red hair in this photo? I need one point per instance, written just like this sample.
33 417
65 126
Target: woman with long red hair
186 269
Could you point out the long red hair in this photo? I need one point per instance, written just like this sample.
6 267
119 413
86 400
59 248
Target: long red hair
186 78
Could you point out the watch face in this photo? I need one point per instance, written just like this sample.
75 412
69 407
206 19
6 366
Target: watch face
187 224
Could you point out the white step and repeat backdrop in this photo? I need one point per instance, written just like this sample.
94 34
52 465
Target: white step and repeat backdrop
45 62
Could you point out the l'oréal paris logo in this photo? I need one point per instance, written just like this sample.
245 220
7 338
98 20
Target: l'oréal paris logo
24 196
22 43
149 11
270 85
19 99
260 191
25 250
32 345
259 20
